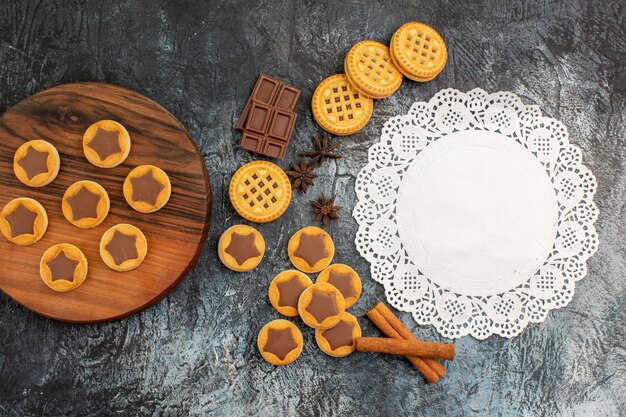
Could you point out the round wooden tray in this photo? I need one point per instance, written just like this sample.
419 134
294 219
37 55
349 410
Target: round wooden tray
176 233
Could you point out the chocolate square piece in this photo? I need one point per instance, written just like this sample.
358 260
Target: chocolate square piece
274 148
287 98
252 142
281 125
265 89
244 115
258 119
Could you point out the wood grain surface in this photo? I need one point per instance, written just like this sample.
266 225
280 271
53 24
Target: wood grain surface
175 234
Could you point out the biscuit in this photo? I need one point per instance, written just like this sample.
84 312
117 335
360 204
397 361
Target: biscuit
106 144
241 248
147 188
339 108
285 290
280 342
36 163
63 267
345 279
370 70
260 191
23 221
123 247
340 340
311 249
321 306
418 51
85 204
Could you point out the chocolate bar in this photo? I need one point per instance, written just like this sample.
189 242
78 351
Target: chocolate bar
268 118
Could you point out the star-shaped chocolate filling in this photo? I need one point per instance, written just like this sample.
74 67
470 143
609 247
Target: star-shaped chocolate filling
105 143
311 248
22 221
343 282
289 292
242 247
122 247
34 162
280 343
340 335
146 188
84 204
62 267
322 306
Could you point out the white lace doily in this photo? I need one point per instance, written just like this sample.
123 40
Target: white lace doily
476 213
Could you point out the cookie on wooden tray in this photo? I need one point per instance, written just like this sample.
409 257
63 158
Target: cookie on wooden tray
280 342
147 188
36 163
260 191
321 306
106 144
23 221
123 247
63 267
285 290
345 279
370 70
241 248
85 204
311 249
339 108
339 340
418 51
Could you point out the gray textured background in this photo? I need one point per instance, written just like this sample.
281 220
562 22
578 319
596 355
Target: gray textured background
194 353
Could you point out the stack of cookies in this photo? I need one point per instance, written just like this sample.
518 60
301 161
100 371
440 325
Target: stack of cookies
342 104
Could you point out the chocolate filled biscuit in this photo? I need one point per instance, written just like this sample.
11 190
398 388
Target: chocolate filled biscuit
63 267
23 221
241 248
280 342
85 204
345 279
106 144
339 340
123 247
285 290
321 305
147 188
311 249
36 163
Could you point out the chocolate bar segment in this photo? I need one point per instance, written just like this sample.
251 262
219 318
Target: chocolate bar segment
268 118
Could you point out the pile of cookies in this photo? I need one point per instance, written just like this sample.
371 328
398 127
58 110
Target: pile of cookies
85 204
342 104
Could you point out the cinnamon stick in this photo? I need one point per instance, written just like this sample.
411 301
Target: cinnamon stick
405 347
405 333
428 372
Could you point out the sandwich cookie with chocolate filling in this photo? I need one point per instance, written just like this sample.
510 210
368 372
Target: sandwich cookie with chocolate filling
285 290
311 249
123 247
36 163
106 144
85 204
241 248
340 340
23 221
147 188
280 342
63 267
345 279
321 306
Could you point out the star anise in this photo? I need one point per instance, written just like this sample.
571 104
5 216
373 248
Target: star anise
325 209
325 149
301 175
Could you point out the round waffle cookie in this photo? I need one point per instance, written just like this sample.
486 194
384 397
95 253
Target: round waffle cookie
339 108
370 70
418 51
260 191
